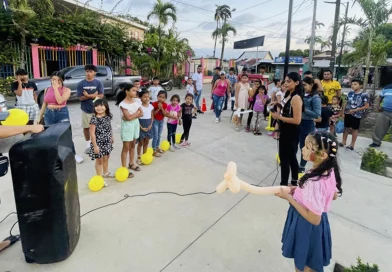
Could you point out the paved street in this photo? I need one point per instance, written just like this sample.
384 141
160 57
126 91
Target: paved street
217 233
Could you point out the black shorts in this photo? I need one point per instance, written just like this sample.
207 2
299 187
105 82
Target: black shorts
351 122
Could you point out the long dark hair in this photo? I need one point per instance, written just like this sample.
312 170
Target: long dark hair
328 144
299 89
310 81
104 102
125 87
59 75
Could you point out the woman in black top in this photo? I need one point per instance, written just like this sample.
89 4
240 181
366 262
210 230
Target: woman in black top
289 120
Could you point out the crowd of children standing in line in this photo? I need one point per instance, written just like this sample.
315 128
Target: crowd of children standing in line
142 119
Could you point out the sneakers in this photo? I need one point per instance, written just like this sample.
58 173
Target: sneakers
78 159
185 143
176 146
217 120
171 149
374 145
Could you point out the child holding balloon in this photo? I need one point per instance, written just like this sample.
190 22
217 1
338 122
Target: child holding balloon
306 235
101 138
146 122
130 128
174 109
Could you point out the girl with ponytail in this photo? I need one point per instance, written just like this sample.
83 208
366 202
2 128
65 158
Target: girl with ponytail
312 102
289 120
306 235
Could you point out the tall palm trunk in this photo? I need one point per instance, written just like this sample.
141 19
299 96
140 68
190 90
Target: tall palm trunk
223 51
369 51
216 37
159 42
22 49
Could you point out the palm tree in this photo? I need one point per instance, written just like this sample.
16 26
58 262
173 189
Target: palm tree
376 14
163 12
222 12
224 33
22 11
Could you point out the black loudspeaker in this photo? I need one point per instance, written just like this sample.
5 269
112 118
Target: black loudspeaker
46 194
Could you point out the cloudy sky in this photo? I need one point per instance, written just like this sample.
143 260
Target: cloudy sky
252 18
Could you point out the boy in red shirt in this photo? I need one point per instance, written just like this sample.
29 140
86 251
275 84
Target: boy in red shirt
159 114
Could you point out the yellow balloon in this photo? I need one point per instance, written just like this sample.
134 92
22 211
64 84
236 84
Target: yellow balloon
17 117
178 138
122 174
150 150
300 175
147 158
165 145
96 183
277 158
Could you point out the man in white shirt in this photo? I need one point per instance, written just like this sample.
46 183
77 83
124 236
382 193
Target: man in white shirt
154 89
198 83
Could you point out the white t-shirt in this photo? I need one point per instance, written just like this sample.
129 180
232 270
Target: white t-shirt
146 111
198 78
274 90
154 92
280 93
131 108
190 89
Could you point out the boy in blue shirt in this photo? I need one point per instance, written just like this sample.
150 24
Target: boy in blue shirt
384 120
356 104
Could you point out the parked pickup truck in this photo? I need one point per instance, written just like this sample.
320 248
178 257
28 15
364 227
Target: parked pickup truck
74 74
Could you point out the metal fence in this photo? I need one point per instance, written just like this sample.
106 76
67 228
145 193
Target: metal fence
9 69
56 58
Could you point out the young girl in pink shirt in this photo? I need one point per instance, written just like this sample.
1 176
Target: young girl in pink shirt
306 235
174 110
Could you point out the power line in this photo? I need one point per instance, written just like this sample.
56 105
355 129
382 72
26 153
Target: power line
253 6
192 6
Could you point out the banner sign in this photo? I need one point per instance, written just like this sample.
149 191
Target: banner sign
291 59
249 43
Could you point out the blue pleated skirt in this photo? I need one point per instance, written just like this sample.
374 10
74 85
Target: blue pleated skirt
307 244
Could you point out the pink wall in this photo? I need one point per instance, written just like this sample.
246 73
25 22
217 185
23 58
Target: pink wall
128 70
175 69
95 56
35 60
217 62
186 68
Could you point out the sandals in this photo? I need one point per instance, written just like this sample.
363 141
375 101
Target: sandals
257 133
160 150
156 154
108 175
130 175
139 160
12 239
132 167
349 147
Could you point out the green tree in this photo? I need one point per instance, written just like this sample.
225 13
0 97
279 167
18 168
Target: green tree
163 12
22 12
376 14
222 13
223 33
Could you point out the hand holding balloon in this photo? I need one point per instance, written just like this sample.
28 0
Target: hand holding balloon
234 184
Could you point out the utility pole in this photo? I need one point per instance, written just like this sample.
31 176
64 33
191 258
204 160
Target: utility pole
335 34
342 45
288 37
313 36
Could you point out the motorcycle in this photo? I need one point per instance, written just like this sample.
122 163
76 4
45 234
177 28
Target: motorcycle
167 85
184 82
145 83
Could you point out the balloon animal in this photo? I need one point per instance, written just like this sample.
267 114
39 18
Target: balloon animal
234 184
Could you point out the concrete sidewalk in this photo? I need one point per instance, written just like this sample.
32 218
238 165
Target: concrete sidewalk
228 232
